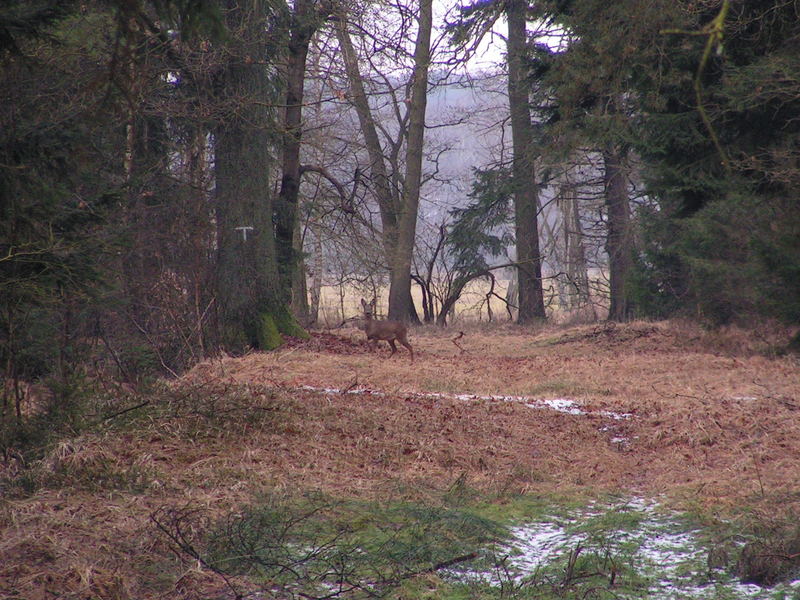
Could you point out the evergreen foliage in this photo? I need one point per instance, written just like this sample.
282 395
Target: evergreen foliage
56 192
727 225
710 108
318 547
482 227
110 126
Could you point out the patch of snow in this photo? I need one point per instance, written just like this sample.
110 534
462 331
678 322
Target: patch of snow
673 557
563 405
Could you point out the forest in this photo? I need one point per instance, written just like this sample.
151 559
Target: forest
183 177
188 184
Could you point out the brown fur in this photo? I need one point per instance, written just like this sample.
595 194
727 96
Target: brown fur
389 331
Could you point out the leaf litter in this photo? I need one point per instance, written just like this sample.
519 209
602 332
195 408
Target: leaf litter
713 427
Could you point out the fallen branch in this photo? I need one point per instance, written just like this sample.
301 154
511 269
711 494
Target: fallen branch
455 341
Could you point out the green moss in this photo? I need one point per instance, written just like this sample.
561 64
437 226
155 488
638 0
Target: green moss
271 324
268 334
288 325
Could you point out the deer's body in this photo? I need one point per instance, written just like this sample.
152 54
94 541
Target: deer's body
388 331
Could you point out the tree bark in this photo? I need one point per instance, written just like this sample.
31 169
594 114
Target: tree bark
252 307
575 252
388 201
303 26
400 302
299 302
529 270
619 245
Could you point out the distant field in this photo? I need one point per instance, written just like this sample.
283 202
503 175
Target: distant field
337 305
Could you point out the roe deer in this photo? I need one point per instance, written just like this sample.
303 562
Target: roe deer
384 330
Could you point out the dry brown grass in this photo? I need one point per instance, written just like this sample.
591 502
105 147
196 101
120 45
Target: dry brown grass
715 423
714 417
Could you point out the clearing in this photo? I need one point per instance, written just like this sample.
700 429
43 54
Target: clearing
703 421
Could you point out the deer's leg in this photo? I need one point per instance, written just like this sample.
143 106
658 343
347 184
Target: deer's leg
394 347
405 343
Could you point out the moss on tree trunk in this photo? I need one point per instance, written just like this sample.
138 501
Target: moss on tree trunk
252 298
272 326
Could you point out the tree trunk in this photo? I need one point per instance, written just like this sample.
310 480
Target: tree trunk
401 306
299 303
449 303
252 305
247 273
397 213
619 242
316 281
529 270
388 201
577 271
303 27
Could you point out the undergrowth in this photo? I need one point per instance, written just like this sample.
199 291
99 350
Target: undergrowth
69 445
460 545
314 546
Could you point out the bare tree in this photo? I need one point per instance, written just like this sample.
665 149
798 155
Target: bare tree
396 184
400 304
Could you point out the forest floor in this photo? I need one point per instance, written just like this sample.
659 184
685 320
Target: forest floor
707 421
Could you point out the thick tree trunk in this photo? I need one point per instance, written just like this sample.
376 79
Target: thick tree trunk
531 298
619 244
252 304
247 273
400 302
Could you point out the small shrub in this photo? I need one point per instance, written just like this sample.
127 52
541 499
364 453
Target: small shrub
770 559
315 546
62 410
139 360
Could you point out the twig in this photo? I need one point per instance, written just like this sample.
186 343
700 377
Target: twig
153 346
714 30
437 567
455 341
350 386
174 532
345 321
758 471
126 410
451 562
